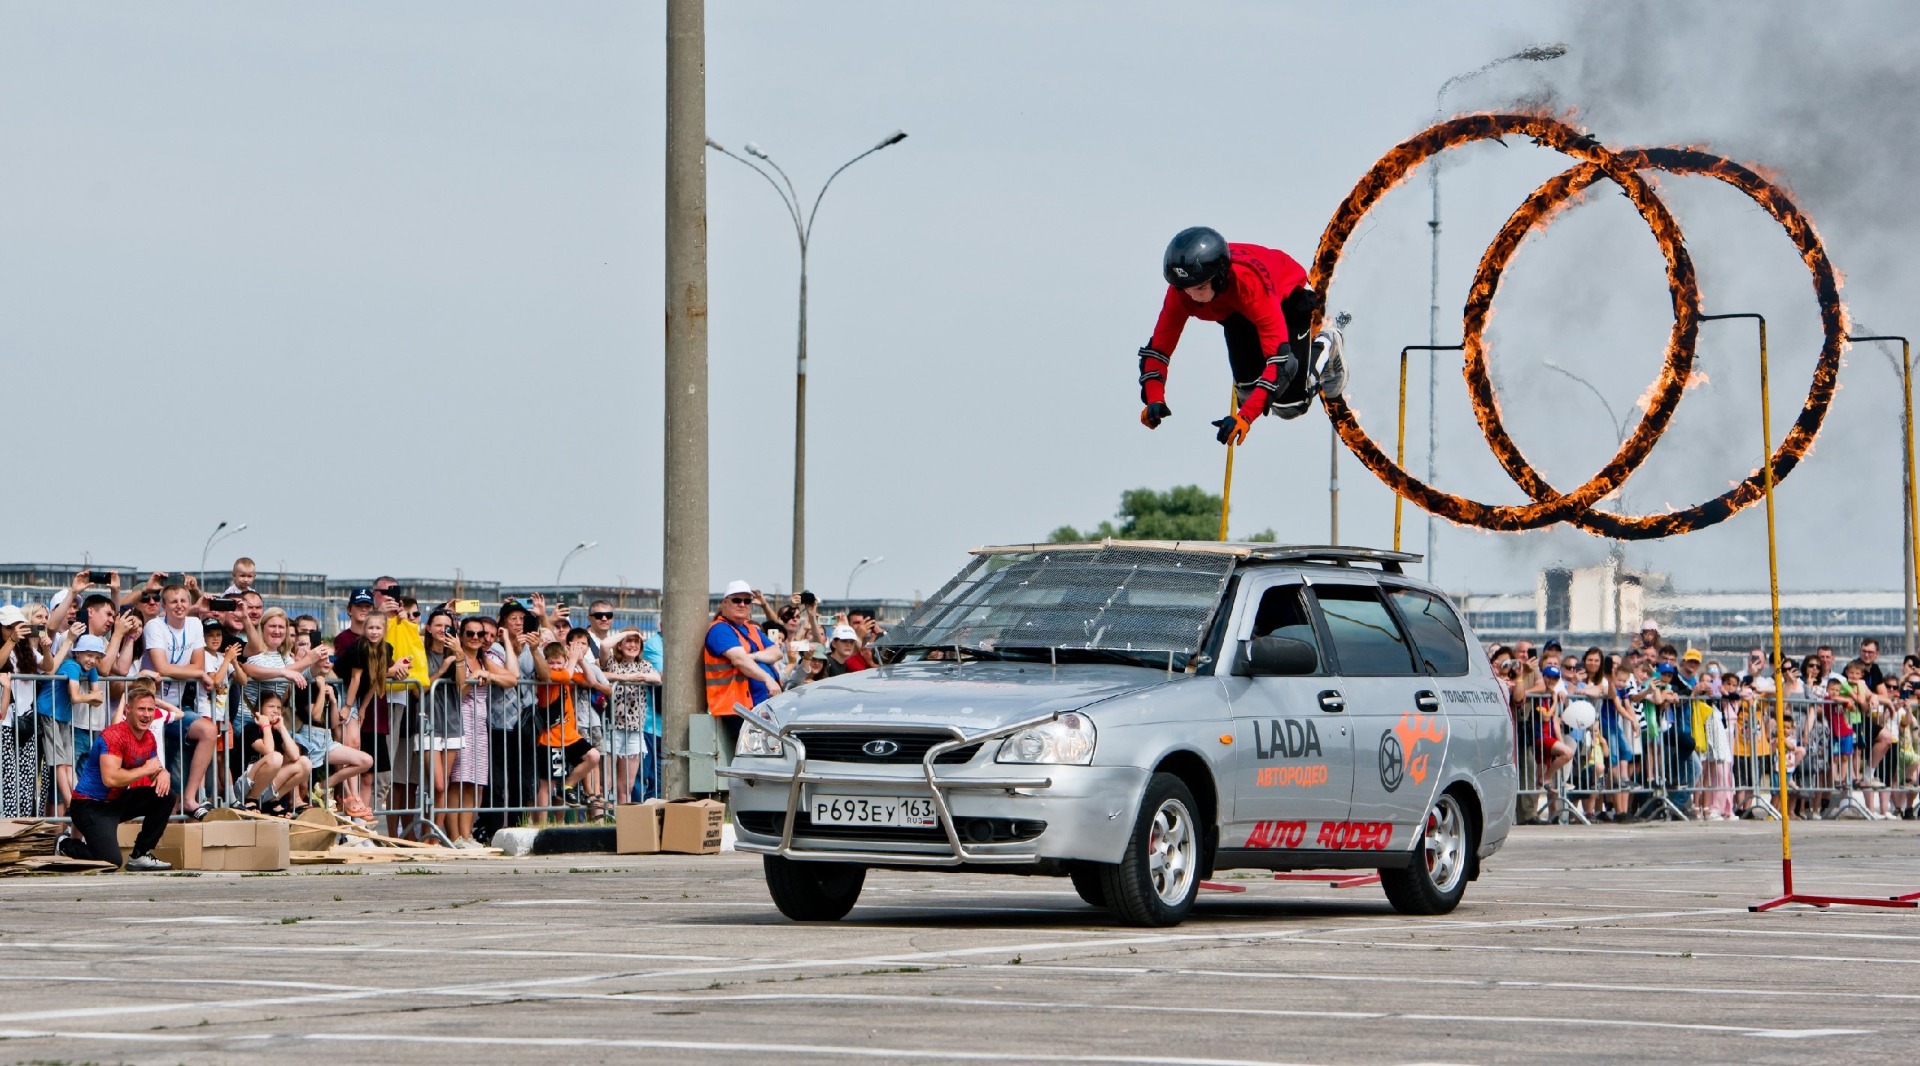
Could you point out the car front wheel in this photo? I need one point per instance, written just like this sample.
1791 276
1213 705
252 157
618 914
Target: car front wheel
813 891
1156 879
1437 879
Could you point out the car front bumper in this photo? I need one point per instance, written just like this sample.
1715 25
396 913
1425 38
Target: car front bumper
1058 812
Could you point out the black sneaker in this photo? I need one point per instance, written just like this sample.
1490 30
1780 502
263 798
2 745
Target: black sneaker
68 848
147 864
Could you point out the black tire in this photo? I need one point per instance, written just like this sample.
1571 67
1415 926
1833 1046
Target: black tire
813 891
1159 875
1442 860
1091 884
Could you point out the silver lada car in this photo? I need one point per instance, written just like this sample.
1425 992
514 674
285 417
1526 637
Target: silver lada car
1135 716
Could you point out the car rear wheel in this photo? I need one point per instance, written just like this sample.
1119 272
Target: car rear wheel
1156 879
1090 883
1437 879
813 891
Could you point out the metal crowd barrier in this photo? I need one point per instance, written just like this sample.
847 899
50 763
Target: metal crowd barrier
1713 758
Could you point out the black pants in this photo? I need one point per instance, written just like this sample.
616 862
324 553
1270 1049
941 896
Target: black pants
98 822
1247 360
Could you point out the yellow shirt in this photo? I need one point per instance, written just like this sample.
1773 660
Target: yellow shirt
403 637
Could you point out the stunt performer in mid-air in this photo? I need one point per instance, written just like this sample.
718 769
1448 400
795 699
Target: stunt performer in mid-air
1261 300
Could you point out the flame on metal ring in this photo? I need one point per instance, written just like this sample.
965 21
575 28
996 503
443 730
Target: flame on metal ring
1662 398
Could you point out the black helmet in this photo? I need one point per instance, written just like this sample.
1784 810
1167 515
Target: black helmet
1195 255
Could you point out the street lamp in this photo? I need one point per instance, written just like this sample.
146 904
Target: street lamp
857 567
1910 549
585 545
1541 53
804 231
1616 553
214 538
1619 427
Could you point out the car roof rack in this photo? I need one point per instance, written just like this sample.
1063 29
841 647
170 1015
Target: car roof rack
1337 554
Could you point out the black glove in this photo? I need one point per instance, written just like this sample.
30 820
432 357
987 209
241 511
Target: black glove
1154 414
1233 429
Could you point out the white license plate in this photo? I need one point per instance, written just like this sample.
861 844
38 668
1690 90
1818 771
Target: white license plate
874 810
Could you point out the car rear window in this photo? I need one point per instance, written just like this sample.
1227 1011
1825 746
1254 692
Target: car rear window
1435 629
1366 639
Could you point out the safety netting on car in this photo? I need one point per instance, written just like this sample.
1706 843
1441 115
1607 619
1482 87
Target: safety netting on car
1083 598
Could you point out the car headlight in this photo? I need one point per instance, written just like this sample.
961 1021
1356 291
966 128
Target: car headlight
1067 739
758 742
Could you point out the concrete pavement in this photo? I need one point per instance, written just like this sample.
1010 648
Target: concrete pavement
1595 943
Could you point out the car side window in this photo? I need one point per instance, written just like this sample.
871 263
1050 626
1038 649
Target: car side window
1283 612
1435 629
1365 637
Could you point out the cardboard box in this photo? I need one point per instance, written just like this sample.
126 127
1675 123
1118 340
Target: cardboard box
636 827
217 845
692 827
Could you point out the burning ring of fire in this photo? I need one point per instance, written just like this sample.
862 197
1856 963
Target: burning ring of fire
1537 210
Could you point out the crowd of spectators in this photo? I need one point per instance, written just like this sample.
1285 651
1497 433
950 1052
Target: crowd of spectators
516 713
1652 731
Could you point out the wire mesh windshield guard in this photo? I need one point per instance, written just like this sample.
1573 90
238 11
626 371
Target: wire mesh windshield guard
1123 600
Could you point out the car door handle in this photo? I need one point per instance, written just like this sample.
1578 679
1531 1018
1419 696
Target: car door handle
1427 702
1332 701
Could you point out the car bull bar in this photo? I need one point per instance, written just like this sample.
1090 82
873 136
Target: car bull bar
936 785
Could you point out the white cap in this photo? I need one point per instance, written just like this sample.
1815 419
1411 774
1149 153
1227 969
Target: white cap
11 615
845 633
90 642
58 599
1649 625
739 588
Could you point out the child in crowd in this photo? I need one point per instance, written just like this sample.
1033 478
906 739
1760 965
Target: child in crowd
564 755
1716 781
629 675
278 771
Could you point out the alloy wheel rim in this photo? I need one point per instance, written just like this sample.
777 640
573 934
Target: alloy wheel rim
1445 844
1172 852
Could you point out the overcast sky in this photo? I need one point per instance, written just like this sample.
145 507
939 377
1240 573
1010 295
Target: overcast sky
384 281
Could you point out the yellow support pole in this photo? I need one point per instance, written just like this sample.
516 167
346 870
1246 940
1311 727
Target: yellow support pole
1226 490
1400 434
1773 593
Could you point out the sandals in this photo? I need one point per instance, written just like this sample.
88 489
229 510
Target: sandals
199 814
357 809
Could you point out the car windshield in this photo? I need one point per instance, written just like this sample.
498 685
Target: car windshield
1084 603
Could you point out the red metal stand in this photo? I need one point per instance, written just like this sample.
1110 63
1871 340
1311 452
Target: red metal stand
1335 880
1788 895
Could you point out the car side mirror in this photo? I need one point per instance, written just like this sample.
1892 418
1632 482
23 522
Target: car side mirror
1280 657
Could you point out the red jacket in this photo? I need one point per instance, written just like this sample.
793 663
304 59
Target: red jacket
1262 277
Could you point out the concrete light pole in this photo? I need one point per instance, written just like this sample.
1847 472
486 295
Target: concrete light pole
1537 54
683 613
804 231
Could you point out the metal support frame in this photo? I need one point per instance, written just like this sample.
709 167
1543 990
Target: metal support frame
1787 894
